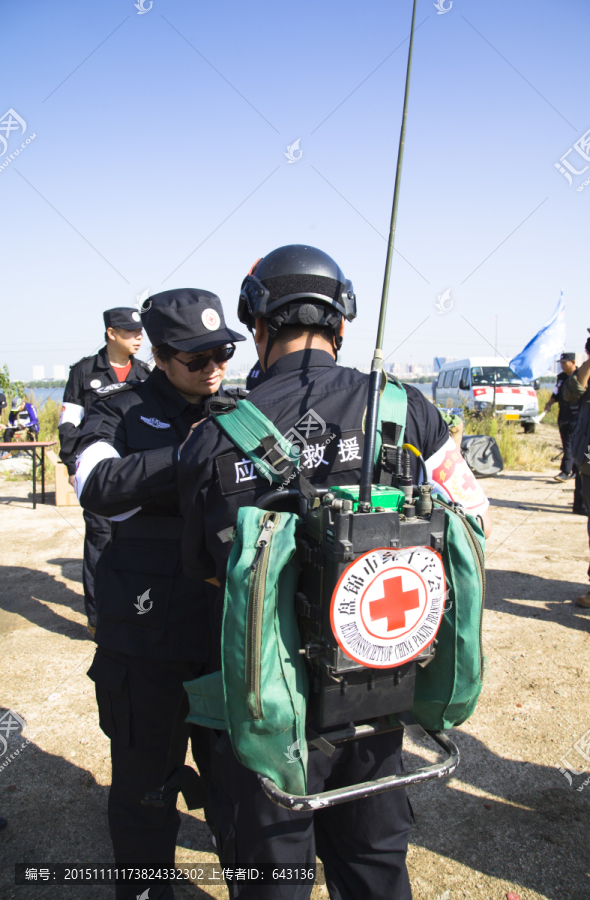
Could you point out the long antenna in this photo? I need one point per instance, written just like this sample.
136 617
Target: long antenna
377 365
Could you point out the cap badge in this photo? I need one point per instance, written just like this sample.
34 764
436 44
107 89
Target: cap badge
155 423
210 319
95 383
136 317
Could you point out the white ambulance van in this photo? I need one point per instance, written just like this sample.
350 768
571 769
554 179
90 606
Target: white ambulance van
485 382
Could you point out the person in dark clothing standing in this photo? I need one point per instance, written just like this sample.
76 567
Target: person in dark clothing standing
114 364
295 302
566 421
152 621
577 390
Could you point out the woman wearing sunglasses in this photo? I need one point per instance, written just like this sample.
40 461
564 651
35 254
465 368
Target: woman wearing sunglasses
152 630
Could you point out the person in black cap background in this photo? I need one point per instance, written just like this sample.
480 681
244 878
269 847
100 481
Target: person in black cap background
577 390
566 421
115 363
152 629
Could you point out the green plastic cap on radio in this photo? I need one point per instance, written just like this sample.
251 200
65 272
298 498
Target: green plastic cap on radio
381 496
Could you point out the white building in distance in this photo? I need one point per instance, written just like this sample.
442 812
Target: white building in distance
38 373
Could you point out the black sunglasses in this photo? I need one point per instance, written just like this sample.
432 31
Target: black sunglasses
218 355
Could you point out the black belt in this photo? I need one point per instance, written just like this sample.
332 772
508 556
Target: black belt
167 528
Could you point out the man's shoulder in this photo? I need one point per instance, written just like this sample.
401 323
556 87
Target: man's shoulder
143 367
415 395
84 364
318 379
419 401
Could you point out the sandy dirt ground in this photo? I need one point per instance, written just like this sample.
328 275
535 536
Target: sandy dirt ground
508 821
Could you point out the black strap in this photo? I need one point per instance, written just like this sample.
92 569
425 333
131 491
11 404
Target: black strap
317 741
179 778
391 433
290 473
219 406
415 731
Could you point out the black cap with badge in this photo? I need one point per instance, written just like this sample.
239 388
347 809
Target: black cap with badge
122 317
567 356
187 319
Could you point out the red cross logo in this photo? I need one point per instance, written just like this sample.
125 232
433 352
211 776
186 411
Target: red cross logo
468 482
394 604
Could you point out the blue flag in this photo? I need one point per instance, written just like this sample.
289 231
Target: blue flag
548 343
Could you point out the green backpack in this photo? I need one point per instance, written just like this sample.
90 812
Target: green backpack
260 695
448 688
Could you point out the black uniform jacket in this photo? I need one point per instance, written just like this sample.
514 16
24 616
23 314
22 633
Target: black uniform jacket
568 412
325 404
85 377
255 377
146 605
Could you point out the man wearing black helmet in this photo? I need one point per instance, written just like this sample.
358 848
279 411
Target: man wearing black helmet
115 363
295 301
152 629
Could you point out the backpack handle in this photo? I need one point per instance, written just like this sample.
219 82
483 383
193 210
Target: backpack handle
313 802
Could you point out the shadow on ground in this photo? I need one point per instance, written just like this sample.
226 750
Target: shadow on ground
553 596
70 568
533 833
57 812
25 592
529 507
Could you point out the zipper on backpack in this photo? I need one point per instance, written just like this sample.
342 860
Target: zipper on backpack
256 593
480 562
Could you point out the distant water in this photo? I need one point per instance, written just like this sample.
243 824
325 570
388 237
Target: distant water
425 388
43 394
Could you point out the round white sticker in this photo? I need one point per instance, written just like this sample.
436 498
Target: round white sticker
136 317
388 605
211 319
95 383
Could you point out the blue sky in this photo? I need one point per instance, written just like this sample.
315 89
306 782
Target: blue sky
170 136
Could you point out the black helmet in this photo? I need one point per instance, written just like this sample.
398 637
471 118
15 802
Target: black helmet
296 285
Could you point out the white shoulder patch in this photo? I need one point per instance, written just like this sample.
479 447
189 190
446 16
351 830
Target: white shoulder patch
109 388
155 423
86 462
449 473
71 414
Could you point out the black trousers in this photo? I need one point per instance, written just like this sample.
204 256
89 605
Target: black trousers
137 704
9 433
566 431
96 538
362 844
585 479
